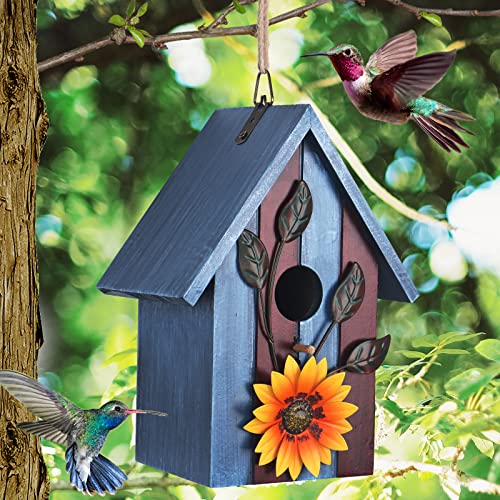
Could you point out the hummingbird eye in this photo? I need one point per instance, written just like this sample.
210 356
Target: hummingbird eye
348 52
117 408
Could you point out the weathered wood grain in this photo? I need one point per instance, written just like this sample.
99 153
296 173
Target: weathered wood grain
321 251
284 329
358 459
235 324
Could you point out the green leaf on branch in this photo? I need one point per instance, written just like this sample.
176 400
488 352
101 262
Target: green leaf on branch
134 20
412 354
453 351
470 381
490 349
131 8
432 18
452 337
430 340
147 34
138 36
142 10
116 20
238 7
253 260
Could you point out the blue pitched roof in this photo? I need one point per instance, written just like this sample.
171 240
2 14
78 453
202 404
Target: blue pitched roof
183 237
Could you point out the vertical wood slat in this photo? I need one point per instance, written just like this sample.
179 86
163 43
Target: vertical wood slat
174 375
358 459
284 330
321 251
233 374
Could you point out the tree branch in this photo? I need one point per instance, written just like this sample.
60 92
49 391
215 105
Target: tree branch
444 12
458 478
389 470
214 30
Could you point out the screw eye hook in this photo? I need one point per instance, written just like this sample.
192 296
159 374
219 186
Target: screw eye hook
263 98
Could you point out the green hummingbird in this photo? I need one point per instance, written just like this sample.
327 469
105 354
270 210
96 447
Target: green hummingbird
83 432
391 86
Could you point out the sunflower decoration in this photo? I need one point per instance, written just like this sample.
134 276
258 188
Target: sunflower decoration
302 418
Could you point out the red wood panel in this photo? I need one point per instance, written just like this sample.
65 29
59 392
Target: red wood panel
283 329
358 460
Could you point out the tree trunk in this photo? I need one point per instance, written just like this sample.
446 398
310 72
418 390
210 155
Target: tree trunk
23 127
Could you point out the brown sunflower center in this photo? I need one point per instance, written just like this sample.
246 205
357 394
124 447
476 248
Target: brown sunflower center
297 416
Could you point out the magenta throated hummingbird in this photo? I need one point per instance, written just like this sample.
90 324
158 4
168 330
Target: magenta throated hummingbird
390 87
83 432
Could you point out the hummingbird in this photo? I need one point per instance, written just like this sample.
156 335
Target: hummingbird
391 86
83 432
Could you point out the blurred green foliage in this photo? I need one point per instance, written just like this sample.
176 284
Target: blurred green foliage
121 123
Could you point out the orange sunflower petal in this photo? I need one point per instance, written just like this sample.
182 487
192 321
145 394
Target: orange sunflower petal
268 456
285 452
325 455
342 393
309 453
331 438
307 376
265 393
321 370
341 426
337 410
330 386
255 426
295 464
292 371
282 387
267 413
270 439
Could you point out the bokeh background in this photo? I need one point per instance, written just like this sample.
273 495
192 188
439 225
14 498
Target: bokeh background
122 119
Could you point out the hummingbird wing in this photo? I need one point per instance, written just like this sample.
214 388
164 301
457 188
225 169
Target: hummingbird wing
396 50
58 413
399 85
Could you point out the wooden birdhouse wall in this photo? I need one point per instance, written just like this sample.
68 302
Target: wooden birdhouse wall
198 363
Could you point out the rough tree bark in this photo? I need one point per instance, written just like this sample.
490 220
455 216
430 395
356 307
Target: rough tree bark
23 127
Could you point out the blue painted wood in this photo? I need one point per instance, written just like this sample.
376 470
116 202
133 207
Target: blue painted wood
321 247
394 281
233 398
175 365
185 235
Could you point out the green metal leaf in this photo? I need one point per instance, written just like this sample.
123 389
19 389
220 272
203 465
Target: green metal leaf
349 294
138 36
131 8
142 9
296 214
490 349
367 356
116 20
432 18
253 260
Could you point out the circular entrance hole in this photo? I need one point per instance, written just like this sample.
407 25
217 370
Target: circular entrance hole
298 293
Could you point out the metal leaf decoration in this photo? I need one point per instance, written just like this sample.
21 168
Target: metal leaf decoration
368 356
253 260
349 294
296 214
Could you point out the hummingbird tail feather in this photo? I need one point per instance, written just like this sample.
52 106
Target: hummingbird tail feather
439 122
104 477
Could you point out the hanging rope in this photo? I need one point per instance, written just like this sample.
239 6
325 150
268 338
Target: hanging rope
263 35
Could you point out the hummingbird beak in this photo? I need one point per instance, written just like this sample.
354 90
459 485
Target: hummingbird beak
150 412
315 54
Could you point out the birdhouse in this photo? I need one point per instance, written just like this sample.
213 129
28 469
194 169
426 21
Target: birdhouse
201 345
